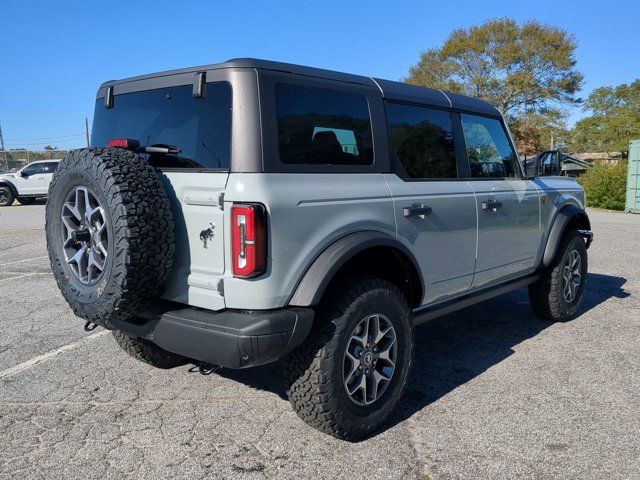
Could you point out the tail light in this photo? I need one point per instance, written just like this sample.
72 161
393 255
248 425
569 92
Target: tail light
126 143
248 240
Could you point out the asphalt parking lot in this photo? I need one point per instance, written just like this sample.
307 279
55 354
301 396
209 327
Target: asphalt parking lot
494 393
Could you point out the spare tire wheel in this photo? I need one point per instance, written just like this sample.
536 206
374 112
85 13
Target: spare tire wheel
110 234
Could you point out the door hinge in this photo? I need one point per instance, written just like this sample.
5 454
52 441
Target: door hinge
221 200
220 287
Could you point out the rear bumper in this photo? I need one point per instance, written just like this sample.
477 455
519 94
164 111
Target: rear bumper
230 338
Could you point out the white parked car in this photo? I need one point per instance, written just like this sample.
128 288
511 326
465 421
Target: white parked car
27 184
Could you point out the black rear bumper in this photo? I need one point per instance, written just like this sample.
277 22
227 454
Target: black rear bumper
230 338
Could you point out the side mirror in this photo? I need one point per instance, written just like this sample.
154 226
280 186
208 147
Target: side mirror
24 174
548 164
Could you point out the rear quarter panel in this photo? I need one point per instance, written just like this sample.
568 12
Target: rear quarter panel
306 214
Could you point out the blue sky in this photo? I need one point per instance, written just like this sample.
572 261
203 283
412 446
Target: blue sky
53 55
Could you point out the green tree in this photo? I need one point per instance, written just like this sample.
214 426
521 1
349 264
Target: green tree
528 71
614 120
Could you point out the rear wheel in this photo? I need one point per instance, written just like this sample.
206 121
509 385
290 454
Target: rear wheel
349 375
148 352
557 295
6 197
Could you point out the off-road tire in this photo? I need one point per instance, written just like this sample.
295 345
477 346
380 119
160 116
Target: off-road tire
314 370
27 200
546 295
148 352
139 225
7 196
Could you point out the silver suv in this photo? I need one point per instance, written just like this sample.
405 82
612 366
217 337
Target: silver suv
239 213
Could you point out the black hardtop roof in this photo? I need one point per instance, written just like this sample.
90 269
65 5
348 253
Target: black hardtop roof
390 90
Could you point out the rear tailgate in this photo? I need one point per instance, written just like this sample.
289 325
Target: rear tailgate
196 201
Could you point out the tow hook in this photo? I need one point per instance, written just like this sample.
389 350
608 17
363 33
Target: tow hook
208 368
90 326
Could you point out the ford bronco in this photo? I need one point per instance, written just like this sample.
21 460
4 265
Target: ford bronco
239 213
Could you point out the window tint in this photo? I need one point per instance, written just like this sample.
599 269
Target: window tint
422 139
33 169
323 127
488 148
199 127
50 167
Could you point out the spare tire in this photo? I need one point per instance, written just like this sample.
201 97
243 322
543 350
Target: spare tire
110 234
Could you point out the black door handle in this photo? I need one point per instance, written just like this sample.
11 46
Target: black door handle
416 210
491 205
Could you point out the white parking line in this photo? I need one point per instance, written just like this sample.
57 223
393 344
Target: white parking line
10 279
23 260
21 367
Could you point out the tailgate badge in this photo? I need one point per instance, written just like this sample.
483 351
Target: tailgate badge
207 234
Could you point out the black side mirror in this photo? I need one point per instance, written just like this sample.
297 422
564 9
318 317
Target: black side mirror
548 164
24 174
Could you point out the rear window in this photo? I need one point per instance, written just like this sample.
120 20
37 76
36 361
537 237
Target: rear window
199 127
318 126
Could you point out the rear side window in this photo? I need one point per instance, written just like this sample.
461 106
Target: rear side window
489 151
422 140
199 127
318 126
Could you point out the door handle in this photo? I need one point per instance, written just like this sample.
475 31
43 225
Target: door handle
416 210
491 205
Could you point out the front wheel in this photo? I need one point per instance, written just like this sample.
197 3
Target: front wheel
557 295
349 375
6 197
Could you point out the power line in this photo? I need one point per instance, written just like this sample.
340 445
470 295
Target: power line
43 138
41 112
47 143
41 107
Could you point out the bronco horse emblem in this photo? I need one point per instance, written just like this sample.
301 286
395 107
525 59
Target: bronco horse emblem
207 235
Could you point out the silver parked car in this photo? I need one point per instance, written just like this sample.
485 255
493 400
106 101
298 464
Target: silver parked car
238 213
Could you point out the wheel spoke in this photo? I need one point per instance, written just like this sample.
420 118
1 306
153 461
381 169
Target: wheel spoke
359 385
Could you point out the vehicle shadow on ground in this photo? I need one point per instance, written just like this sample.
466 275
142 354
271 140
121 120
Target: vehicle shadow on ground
454 349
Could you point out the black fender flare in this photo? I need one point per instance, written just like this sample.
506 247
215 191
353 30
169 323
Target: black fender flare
12 187
565 215
318 276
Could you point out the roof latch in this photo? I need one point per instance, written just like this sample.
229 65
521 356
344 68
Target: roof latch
199 80
108 97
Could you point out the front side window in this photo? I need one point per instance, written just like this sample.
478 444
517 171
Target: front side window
489 151
199 127
317 126
33 169
422 140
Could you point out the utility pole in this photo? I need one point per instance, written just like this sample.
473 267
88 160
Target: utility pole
1 139
552 142
86 130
